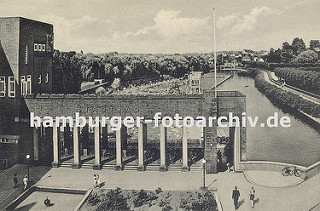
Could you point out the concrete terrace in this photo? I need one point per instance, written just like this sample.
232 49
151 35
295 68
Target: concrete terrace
273 191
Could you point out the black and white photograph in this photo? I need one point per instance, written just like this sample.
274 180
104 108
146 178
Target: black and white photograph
160 105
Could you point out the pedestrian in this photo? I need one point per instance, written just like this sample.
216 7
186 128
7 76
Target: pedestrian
47 202
15 180
252 196
98 181
94 180
235 196
25 182
219 156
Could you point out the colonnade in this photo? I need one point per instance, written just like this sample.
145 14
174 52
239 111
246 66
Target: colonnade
120 138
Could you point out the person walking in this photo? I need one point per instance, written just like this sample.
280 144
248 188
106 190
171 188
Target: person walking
15 180
252 196
25 182
235 196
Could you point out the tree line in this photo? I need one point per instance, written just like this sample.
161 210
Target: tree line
303 79
294 52
70 69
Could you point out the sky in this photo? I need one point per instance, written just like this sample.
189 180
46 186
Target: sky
171 26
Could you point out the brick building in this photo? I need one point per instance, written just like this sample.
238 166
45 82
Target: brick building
26 48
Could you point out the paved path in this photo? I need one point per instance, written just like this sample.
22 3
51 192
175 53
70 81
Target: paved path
303 95
274 192
7 191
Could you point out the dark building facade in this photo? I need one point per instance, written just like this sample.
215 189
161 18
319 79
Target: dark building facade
26 48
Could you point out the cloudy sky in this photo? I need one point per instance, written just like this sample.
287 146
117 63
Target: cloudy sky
171 26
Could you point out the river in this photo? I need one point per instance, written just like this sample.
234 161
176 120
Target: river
298 144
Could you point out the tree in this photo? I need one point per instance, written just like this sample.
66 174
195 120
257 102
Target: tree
298 45
287 52
314 44
307 56
116 83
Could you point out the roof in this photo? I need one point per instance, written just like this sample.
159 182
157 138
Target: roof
27 19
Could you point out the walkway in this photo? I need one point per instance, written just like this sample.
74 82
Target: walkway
7 191
274 192
305 96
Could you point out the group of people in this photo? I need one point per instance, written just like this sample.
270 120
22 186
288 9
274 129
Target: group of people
236 196
25 181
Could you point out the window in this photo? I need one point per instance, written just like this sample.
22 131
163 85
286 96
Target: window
2 86
26 55
39 78
23 85
35 47
47 77
39 47
11 90
28 85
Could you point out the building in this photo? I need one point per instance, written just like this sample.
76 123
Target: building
26 48
26 87
195 82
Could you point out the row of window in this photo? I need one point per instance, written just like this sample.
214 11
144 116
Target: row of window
25 85
46 78
3 86
39 47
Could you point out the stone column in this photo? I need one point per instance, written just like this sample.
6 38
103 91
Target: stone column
141 142
236 149
36 143
163 148
76 149
56 146
185 166
97 150
118 150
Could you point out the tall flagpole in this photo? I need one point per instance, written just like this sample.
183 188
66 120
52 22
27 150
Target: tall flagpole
215 52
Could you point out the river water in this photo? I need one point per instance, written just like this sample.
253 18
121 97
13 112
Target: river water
298 144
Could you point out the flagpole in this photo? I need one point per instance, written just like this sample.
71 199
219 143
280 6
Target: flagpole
215 52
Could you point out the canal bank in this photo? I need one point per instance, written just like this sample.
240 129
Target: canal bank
295 145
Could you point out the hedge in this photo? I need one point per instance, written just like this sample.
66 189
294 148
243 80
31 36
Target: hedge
284 98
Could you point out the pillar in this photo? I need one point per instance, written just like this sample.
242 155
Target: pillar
36 143
97 150
118 150
141 144
163 147
56 146
185 166
76 148
236 149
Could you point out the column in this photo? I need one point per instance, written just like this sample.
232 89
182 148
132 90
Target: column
236 148
36 143
97 150
118 150
185 166
163 147
56 147
141 143
76 148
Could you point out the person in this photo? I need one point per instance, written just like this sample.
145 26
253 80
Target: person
15 180
252 196
47 202
95 180
25 182
219 156
235 196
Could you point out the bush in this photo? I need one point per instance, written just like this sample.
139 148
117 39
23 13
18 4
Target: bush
308 56
284 98
306 80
